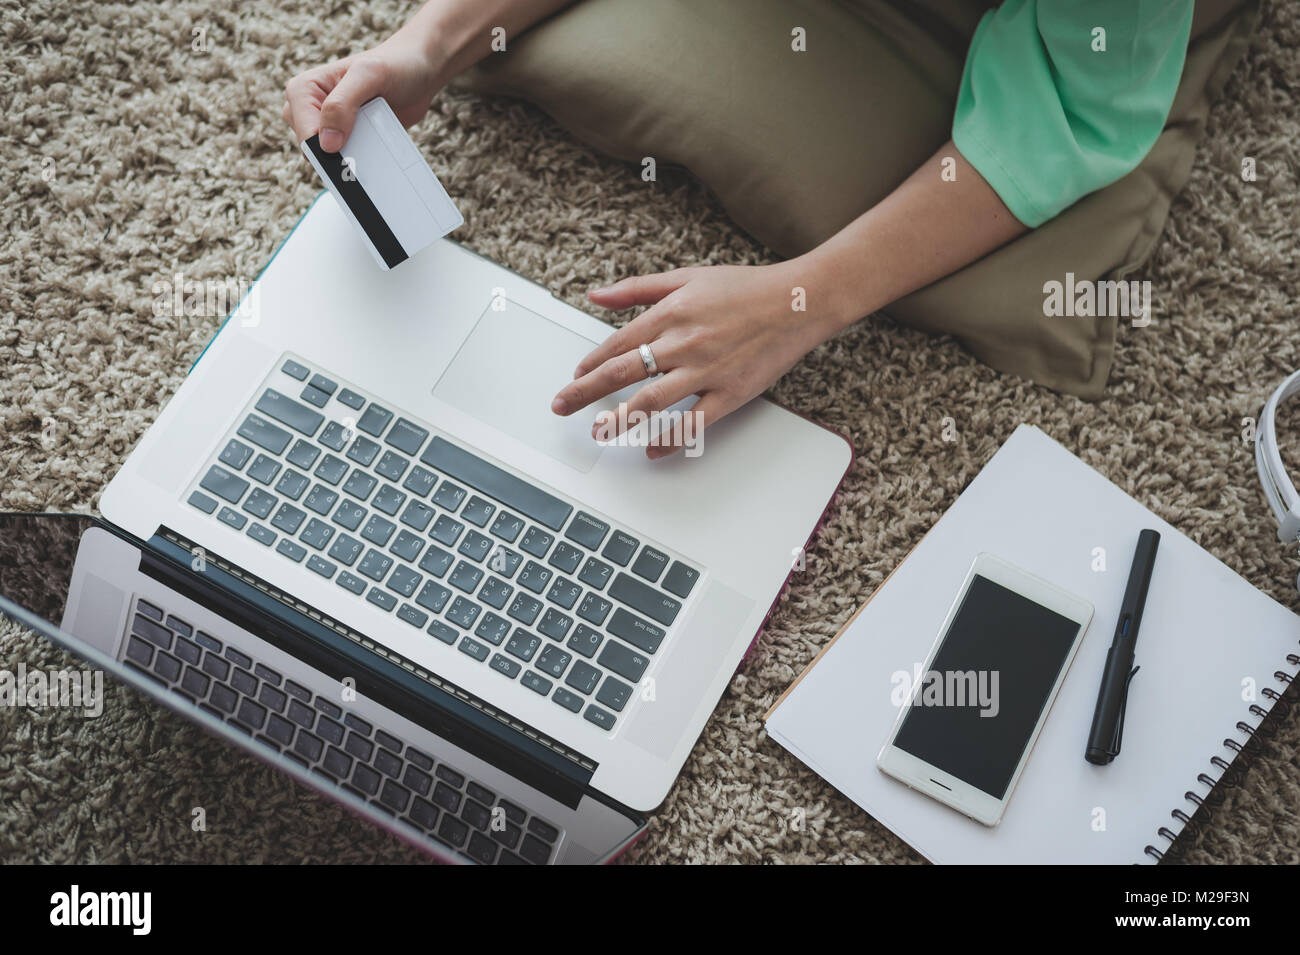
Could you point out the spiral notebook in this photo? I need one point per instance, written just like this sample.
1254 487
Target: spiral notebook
1216 655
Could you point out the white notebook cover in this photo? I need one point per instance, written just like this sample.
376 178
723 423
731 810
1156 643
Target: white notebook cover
1207 638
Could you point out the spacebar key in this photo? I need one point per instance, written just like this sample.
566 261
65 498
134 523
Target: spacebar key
494 482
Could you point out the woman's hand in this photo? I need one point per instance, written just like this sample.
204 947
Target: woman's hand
725 333
405 70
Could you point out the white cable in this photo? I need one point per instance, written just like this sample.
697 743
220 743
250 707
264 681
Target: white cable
1282 496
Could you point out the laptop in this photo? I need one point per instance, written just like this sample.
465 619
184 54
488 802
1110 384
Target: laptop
357 544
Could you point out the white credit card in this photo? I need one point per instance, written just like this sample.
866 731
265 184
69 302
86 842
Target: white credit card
385 187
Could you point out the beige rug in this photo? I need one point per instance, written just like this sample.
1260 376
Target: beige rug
129 156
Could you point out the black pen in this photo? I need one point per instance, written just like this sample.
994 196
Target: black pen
1112 699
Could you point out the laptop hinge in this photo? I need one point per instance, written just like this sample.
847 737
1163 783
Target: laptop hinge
337 650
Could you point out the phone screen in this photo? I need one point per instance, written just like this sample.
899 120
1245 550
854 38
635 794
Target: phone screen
986 688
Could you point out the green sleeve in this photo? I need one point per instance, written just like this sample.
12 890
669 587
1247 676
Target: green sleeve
1047 116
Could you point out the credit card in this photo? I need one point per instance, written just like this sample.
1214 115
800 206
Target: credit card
385 187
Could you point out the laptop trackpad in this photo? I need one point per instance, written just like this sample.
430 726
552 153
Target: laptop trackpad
507 372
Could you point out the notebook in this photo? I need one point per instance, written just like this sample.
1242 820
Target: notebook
1215 655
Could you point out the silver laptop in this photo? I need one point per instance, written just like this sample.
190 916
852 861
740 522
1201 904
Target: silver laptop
357 542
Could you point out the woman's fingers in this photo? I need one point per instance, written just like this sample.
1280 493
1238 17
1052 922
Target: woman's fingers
613 374
361 83
304 94
654 396
639 289
709 409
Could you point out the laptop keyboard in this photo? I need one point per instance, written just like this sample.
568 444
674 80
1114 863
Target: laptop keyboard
317 733
491 565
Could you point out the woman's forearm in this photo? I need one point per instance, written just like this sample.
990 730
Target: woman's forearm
456 34
941 218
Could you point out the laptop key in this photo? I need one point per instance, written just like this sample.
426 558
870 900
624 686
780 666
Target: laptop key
553 661
388 763
602 718
493 629
360 485
215 666
650 564
523 644
452 831
537 542
235 454
394 796
443 632
587 530
139 651
331 470
324 384
614 693
419 482
351 582
289 412
349 515
375 420
181 627
167 667
381 598
436 561
273 699
265 435
504 665
406 436
475 546
423 814
156 634
471 647
378 530
566 557
495 593
204 503
507 527
534 577
346 550
481 849
314 396
335 436
564 592
189 652
594 608
403 581
263 535
292 484
392 466
570 701
389 500
497 484
524 609
195 683
259 503
416 618
224 699
536 682
642 634
352 399
449 496
620 548
644 599
543 829
504 561
680 579
407 546
417 780
316 534
583 678
303 454
321 500
595 573
476 814
626 663
433 596
224 484
295 370
478 511
585 641
251 714
365 779
288 519
463 613
465 577
446 531
263 469
337 762
554 624
329 730
208 642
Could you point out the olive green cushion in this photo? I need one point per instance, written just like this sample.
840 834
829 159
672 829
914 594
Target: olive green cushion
798 144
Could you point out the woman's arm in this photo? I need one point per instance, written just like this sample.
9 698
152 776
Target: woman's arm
408 69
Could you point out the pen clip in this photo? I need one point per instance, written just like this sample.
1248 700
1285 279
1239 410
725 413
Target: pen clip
1123 709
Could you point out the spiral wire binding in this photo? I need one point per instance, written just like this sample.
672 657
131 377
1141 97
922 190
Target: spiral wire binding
1231 770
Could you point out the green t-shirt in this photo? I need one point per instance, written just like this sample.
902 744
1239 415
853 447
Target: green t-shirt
1062 97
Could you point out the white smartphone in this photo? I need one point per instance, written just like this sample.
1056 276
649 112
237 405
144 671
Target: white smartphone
970 717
